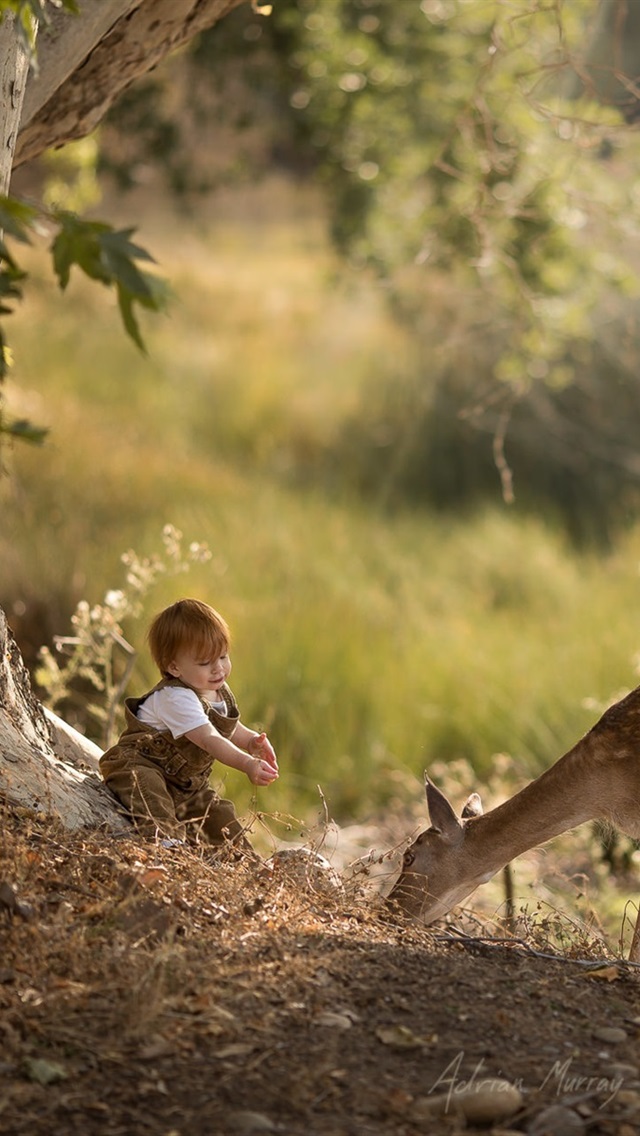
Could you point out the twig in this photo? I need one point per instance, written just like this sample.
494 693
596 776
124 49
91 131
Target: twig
526 949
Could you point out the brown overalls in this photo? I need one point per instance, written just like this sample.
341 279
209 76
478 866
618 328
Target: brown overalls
164 781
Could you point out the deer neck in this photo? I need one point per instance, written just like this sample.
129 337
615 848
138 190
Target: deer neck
560 799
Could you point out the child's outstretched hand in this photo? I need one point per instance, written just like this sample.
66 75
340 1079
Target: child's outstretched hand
265 765
261 747
261 773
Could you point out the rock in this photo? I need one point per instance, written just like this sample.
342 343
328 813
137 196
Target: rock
613 1035
494 1101
556 1121
630 1098
488 1102
623 1070
12 905
307 868
333 1020
246 1121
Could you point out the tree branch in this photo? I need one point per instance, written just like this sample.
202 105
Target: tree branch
70 105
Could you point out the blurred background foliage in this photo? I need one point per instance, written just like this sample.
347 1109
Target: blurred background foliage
475 155
396 393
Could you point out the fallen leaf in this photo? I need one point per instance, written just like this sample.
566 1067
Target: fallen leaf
152 875
604 973
156 1047
401 1037
44 1072
238 1049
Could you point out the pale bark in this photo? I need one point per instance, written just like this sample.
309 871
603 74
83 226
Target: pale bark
70 746
64 105
14 67
44 764
65 43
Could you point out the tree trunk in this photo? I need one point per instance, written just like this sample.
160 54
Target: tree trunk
85 65
14 68
44 764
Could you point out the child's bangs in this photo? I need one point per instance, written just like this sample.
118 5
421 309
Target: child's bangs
208 643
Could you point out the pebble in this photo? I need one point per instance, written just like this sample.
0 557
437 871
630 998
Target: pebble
486 1103
621 1069
333 1020
612 1034
250 1122
556 1121
629 1098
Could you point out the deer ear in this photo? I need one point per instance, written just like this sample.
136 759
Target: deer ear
472 807
441 812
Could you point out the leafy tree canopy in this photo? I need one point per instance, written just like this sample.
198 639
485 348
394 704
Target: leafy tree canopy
449 144
464 137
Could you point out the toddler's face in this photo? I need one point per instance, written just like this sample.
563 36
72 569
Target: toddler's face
203 672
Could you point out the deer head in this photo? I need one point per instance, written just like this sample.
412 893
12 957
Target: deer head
436 872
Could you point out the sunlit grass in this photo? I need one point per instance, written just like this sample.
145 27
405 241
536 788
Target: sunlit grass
367 642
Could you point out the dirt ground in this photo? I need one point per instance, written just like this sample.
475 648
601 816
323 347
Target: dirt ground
152 990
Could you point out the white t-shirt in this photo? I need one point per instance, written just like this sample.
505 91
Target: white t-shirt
175 708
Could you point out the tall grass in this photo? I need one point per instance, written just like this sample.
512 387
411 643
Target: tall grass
368 643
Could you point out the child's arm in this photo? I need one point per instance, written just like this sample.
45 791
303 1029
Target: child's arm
258 770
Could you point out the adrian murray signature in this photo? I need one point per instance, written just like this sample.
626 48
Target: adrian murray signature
562 1075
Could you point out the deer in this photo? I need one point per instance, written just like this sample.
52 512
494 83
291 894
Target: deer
598 779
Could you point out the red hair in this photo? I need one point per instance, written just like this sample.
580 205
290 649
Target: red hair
187 625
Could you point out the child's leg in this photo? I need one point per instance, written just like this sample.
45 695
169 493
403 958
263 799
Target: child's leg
143 791
212 819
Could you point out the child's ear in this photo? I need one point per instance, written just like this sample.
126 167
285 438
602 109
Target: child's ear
172 669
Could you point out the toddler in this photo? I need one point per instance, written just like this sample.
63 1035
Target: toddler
159 768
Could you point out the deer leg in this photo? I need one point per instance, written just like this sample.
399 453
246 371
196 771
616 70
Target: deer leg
509 899
634 950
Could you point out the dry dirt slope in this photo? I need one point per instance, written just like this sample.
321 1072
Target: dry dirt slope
145 990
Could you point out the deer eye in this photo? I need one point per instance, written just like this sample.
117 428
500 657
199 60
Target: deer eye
408 858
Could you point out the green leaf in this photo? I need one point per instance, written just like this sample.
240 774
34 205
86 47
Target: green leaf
24 430
109 256
125 304
118 255
18 219
78 242
10 276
